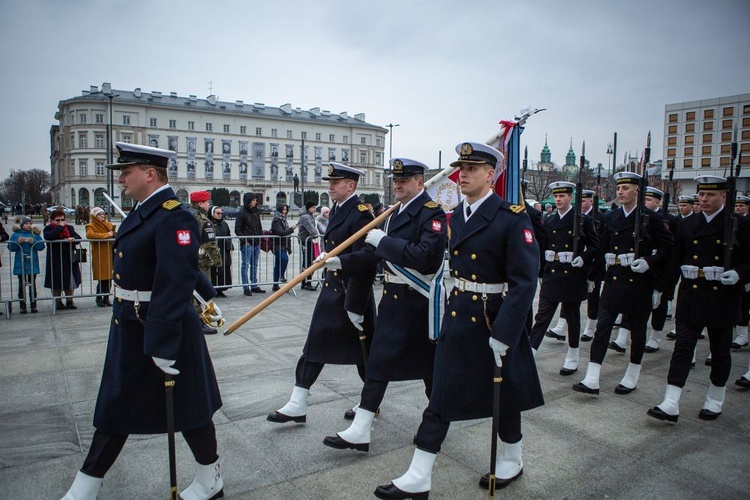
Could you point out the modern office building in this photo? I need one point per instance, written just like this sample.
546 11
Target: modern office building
698 138
234 145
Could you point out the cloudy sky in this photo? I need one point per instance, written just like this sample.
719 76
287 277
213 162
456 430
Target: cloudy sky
445 71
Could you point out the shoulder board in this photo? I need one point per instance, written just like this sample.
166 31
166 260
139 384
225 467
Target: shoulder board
362 207
517 209
431 204
170 204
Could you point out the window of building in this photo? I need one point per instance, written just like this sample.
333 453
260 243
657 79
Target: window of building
191 125
72 141
363 157
363 140
209 127
671 152
172 123
708 114
226 128
99 168
690 116
708 126
152 122
377 158
745 148
745 122
332 138
289 134
746 109
745 136
689 128
726 149
127 138
689 139
83 140
688 151
99 141
125 120
274 132
671 141
726 137
687 163
672 129
258 131
706 150
346 139
705 162
317 136
727 124
377 141
728 112
243 129
303 135
707 138
81 117
673 118
724 161
99 118
83 168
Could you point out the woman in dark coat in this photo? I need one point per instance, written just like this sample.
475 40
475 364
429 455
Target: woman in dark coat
221 277
282 246
63 271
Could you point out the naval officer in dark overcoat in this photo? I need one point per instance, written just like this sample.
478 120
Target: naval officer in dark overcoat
412 244
494 265
154 330
345 309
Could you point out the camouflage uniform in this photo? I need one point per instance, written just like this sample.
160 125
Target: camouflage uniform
209 254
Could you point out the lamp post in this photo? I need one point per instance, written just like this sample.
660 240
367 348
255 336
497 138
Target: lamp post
303 174
110 174
610 152
389 193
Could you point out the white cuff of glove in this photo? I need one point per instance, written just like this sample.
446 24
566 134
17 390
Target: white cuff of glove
320 257
499 350
373 237
730 277
356 319
333 263
655 299
165 365
577 262
639 266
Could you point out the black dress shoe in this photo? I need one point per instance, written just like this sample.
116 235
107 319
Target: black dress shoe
579 387
735 345
708 415
614 346
484 481
692 364
621 389
553 335
742 381
392 491
258 290
671 335
586 338
275 288
280 418
207 330
247 293
650 349
342 444
70 305
707 362
659 414
568 371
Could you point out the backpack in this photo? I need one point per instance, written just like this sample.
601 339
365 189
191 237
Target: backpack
265 242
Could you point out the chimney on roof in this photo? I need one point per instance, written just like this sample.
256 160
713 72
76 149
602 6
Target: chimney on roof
239 103
344 115
360 117
155 93
259 105
286 108
193 98
137 92
106 88
315 111
93 89
211 99
173 94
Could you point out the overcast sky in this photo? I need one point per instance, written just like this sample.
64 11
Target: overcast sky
446 71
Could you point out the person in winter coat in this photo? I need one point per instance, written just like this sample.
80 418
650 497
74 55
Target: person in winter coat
321 221
248 227
26 243
101 253
309 236
63 271
221 276
282 246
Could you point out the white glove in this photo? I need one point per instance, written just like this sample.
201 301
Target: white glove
577 262
639 266
590 285
356 319
729 277
165 365
333 263
499 350
655 299
217 316
320 257
373 237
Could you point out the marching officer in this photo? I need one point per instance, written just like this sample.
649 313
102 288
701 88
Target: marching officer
709 296
629 283
412 245
741 340
209 254
154 331
342 323
596 270
495 263
564 274
685 207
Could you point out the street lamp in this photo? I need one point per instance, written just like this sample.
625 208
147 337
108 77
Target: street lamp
107 91
389 195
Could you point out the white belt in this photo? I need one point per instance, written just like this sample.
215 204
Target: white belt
470 286
398 280
132 295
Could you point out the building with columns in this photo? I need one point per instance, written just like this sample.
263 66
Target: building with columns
234 145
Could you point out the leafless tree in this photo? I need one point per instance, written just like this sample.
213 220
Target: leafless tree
32 186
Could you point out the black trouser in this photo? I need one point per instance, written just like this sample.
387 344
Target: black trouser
571 311
22 281
106 447
720 342
592 301
307 372
745 310
373 393
604 331
309 256
432 430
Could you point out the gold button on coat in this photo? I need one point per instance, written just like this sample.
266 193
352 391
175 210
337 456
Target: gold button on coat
453 313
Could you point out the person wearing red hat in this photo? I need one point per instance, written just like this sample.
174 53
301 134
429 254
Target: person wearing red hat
209 254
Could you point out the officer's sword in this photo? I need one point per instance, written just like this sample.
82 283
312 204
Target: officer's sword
206 308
